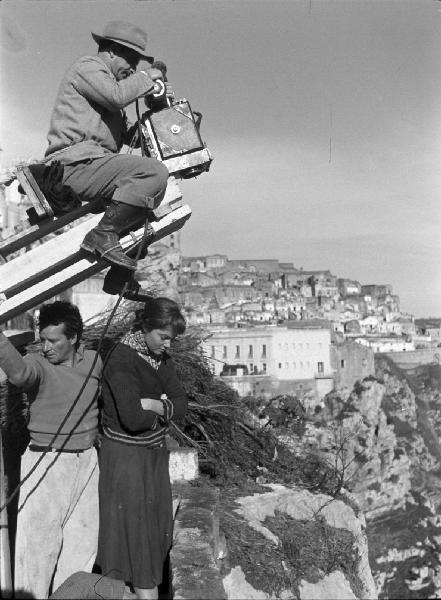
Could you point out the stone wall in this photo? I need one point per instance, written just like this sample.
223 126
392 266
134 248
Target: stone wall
415 358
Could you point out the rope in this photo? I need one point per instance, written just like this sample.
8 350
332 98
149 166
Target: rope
140 137
88 376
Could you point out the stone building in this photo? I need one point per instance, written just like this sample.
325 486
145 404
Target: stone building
13 206
297 351
376 290
348 287
350 362
88 295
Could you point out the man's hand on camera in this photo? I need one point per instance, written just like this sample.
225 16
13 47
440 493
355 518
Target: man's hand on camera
169 91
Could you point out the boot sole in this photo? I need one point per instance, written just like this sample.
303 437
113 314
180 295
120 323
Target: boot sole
92 250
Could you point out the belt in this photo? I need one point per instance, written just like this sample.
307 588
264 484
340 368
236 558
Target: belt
35 448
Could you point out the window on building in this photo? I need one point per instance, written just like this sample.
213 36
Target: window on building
342 363
251 368
237 352
301 365
224 352
264 367
286 365
263 350
364 362
280 365
308 365
320 367
250 351
213 351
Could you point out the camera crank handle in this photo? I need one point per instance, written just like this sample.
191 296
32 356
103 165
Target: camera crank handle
159 91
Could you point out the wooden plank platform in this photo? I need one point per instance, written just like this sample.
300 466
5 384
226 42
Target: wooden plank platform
172 200
35 232
53 267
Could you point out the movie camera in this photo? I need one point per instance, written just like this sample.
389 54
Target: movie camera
170 132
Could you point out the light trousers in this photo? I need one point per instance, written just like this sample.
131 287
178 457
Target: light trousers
129 179
57 523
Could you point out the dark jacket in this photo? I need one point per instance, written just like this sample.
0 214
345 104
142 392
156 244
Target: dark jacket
127 378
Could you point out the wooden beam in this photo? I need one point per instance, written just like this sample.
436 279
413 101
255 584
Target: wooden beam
36 232
172 199
41 261
34 193
58 265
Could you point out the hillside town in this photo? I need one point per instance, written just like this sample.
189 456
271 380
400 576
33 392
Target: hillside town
273 324
270 327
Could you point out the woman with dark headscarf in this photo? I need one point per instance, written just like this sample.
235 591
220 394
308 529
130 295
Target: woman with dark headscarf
141 394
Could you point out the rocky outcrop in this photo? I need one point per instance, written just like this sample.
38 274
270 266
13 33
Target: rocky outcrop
356 437
158 272
255 552
405 544
382 439
302 506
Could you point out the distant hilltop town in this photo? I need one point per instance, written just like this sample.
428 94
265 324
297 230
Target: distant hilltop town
291 326
239 292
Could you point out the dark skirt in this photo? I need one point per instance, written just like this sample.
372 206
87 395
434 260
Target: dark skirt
136 518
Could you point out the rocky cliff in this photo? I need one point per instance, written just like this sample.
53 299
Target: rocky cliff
382 440
276 542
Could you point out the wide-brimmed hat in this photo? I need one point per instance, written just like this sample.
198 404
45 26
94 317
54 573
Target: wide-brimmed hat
127 35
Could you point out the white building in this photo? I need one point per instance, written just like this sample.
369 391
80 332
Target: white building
386 344
293 351
92 302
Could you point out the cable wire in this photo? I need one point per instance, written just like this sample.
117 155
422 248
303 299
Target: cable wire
88 376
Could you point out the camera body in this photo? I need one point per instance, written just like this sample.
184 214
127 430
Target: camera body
171 135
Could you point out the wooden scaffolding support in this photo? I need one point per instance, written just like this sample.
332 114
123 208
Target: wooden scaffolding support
42 271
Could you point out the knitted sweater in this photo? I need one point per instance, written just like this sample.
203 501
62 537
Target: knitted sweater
51 391
127 378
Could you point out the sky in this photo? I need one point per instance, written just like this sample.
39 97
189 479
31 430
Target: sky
323 119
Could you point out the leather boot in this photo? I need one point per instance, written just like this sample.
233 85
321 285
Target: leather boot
104 238
115 280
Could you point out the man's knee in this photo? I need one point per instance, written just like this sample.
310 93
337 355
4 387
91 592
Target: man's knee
144 184
162 175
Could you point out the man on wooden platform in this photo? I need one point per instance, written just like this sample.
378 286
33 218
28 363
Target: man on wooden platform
88 128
